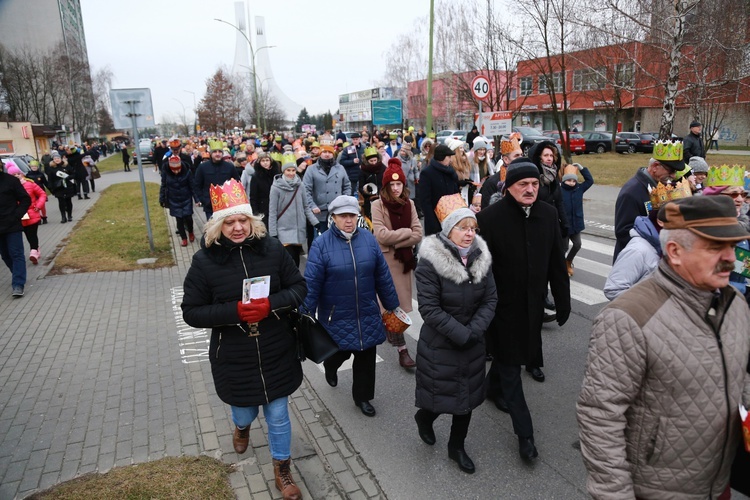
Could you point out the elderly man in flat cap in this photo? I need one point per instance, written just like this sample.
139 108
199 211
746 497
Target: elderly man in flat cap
667 366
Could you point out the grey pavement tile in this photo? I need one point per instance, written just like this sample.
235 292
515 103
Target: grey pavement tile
14 472
348 482
54 462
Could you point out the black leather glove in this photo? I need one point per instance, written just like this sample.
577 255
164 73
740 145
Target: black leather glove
562 317
163 204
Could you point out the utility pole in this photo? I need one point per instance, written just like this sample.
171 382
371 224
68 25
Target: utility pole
428 118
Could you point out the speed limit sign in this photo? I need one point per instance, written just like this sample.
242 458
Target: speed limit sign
480 87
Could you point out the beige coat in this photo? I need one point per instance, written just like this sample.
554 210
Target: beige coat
658 406
390 240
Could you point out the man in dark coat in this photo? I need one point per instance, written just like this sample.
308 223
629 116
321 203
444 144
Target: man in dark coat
436 180
351 159
215 171
693 143
14 202
473 134
75 160
524 239
634 196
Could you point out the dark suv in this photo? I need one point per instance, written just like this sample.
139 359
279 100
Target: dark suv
636 143
529 137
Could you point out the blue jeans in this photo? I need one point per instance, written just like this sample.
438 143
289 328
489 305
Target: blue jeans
12 252
277 419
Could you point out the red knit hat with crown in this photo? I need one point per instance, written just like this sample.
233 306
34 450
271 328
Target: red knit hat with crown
394 172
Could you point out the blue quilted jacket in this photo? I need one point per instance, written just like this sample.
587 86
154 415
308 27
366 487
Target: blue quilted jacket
344 279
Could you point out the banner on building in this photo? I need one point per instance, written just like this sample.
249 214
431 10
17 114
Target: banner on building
494 123
600 122
387 112
577 123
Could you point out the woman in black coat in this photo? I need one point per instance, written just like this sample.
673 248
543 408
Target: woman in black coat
61 178
252 350
266 169
457 298
177 193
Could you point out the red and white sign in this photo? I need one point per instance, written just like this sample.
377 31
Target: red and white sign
480 87
494 123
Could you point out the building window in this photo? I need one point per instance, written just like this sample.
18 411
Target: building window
589 79
623 76
555 80
512 93
526 85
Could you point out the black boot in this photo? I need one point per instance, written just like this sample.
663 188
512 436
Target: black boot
458 454
424 426
70 216
85 197
64 220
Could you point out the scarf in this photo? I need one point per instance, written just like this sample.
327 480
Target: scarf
549 172
326 164
372 169
400 214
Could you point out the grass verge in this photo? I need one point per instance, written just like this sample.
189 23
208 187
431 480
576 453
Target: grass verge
113 235
113 163
614 169
184 477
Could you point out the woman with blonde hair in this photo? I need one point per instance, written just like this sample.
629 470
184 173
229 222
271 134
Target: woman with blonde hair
397 229
252 349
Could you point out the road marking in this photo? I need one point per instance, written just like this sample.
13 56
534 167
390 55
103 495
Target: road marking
597 247
586 294
193 342
599 225
592 266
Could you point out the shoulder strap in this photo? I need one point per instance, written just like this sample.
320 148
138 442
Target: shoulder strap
290 201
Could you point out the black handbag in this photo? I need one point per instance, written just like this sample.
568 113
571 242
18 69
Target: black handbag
313 341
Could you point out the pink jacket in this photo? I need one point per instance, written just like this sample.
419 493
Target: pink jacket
38 199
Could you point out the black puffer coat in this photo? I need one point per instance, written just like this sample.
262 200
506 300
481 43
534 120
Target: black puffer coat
176 191
260 188
454 301
61 188
247 371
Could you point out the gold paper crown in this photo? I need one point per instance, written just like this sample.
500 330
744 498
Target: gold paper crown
288 159
229 199
449 204
661 194
668 151
725 176
214 145
276 156
510 144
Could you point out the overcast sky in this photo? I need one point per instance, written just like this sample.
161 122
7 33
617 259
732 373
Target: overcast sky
323 48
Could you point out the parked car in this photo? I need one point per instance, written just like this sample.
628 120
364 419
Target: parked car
601 142
636 143
674 137
145 151
577 142
529 137
441 136
22 161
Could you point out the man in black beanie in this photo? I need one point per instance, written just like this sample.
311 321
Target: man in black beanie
524 239
693 143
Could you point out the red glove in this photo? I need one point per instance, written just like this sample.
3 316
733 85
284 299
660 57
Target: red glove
254 311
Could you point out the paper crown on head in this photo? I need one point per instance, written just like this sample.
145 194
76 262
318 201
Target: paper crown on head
668 151
449 204
276 156
288 160
725 175
215 145
229 199
175 143
510 144
662 194
327 145
371 152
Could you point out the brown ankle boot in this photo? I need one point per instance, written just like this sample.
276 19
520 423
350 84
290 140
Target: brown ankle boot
284 480
405 360
241 439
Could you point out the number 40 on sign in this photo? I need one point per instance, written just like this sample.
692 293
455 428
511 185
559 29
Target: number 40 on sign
480 87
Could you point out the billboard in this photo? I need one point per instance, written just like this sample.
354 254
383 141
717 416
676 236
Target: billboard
387 112
494 123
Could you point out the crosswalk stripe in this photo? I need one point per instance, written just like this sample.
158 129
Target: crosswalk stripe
592 266
597 247
586 294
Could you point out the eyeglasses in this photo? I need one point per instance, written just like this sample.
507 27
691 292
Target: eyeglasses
735 195
466 229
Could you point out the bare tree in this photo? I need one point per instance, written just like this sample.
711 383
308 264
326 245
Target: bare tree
217 110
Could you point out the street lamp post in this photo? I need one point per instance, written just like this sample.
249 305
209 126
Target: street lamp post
253 53
184 118
195 113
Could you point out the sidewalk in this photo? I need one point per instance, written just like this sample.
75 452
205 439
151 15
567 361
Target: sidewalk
97 370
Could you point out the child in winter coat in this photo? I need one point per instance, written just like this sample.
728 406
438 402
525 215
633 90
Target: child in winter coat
40 179
572 194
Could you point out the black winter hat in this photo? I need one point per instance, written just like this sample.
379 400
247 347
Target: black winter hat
520 168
